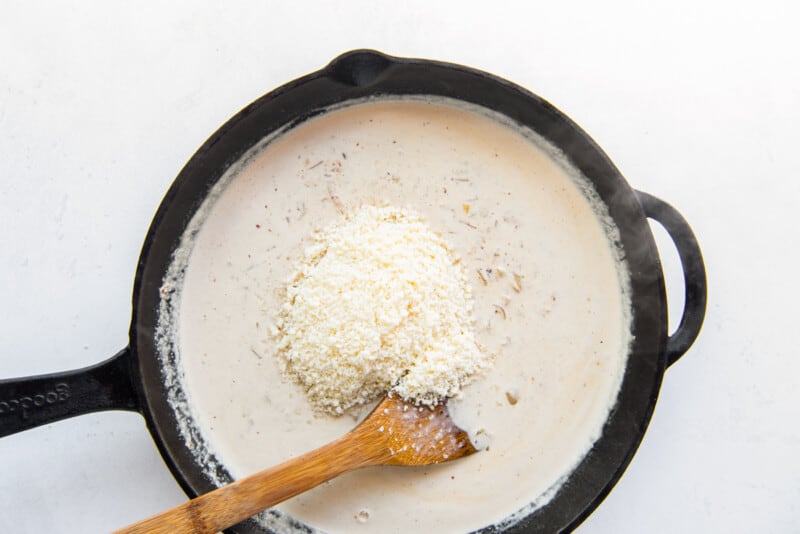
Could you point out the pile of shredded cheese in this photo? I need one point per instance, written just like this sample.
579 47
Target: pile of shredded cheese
378 304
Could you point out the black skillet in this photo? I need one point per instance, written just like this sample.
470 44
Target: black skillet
132 379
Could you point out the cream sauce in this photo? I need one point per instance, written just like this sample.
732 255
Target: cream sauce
551 303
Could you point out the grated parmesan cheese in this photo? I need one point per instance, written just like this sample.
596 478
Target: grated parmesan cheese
378 304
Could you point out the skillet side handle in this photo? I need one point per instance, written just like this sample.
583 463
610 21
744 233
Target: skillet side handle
37 400
694 273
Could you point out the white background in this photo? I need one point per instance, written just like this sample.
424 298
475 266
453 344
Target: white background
101 104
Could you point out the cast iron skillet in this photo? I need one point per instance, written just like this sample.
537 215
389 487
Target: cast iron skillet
132 379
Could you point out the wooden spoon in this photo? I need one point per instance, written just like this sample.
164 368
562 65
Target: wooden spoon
395 433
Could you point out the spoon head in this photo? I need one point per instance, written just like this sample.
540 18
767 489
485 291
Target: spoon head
414 435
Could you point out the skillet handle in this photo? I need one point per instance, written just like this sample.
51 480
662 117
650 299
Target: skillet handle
37 400
694 273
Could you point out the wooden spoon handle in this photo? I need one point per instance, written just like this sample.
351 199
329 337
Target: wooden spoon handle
244 498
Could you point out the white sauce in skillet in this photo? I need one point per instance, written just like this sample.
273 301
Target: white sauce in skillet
551 302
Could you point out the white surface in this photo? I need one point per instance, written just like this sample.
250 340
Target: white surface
102 103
